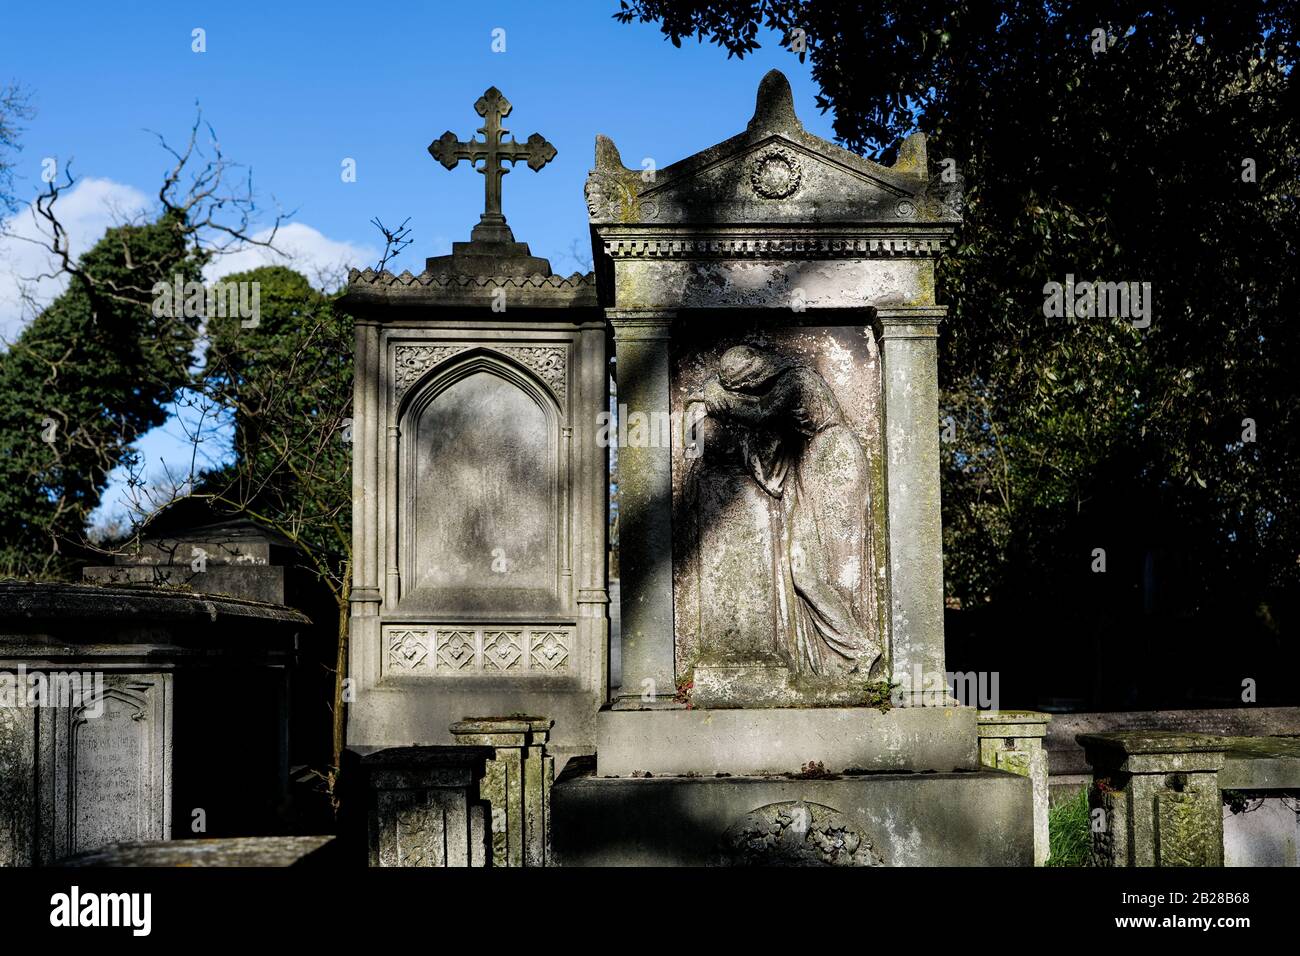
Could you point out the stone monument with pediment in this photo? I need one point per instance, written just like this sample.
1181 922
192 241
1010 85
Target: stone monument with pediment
776 294
783 693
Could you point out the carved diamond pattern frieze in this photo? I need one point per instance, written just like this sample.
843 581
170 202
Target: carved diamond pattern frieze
408 649
550 649
456 650
471 650
501 650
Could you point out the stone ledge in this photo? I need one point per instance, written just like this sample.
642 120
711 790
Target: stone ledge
1261 763
369 288
24 604
234 851
783 740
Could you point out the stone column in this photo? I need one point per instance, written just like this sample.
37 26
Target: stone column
516 784
1158 796
645 489
425 808
910 373
1013 741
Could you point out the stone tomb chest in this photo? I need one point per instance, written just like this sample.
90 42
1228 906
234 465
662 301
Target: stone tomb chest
139 713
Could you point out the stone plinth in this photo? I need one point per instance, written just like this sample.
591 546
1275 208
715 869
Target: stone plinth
706 742
516 784
1013 741
933 819
138 686
425 808
1159 798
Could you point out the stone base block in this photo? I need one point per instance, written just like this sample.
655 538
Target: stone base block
768 682
982 818
778 740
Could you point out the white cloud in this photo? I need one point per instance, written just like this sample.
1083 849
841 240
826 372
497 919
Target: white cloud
93 205
86 211
322 260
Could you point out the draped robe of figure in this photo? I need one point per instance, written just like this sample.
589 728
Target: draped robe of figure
800 450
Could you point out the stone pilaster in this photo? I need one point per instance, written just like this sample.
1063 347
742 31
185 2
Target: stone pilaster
908 338
1013 741
366 596
645 511
1158 796
516 785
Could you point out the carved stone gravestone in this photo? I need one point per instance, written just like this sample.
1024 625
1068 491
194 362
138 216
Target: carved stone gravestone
775 296
478 488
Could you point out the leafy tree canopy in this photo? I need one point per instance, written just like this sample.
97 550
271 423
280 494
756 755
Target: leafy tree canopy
1115 141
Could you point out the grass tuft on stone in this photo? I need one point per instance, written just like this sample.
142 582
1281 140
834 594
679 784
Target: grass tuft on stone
1069 835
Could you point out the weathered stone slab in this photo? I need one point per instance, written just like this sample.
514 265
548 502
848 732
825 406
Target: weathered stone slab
234 851
111 778
941 819
785 740
1065 754
1261 763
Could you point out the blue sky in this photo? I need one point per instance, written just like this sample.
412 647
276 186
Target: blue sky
294 89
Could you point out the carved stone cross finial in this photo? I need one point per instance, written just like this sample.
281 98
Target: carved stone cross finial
493 151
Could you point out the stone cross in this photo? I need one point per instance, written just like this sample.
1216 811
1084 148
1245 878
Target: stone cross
494 152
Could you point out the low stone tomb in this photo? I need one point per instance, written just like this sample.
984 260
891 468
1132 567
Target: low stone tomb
138 714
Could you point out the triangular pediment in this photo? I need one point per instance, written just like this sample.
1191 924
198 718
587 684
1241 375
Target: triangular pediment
773 172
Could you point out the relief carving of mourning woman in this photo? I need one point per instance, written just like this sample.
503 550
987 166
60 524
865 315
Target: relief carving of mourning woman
790 434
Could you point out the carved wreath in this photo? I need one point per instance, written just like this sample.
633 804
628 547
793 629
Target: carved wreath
797 833
776 174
